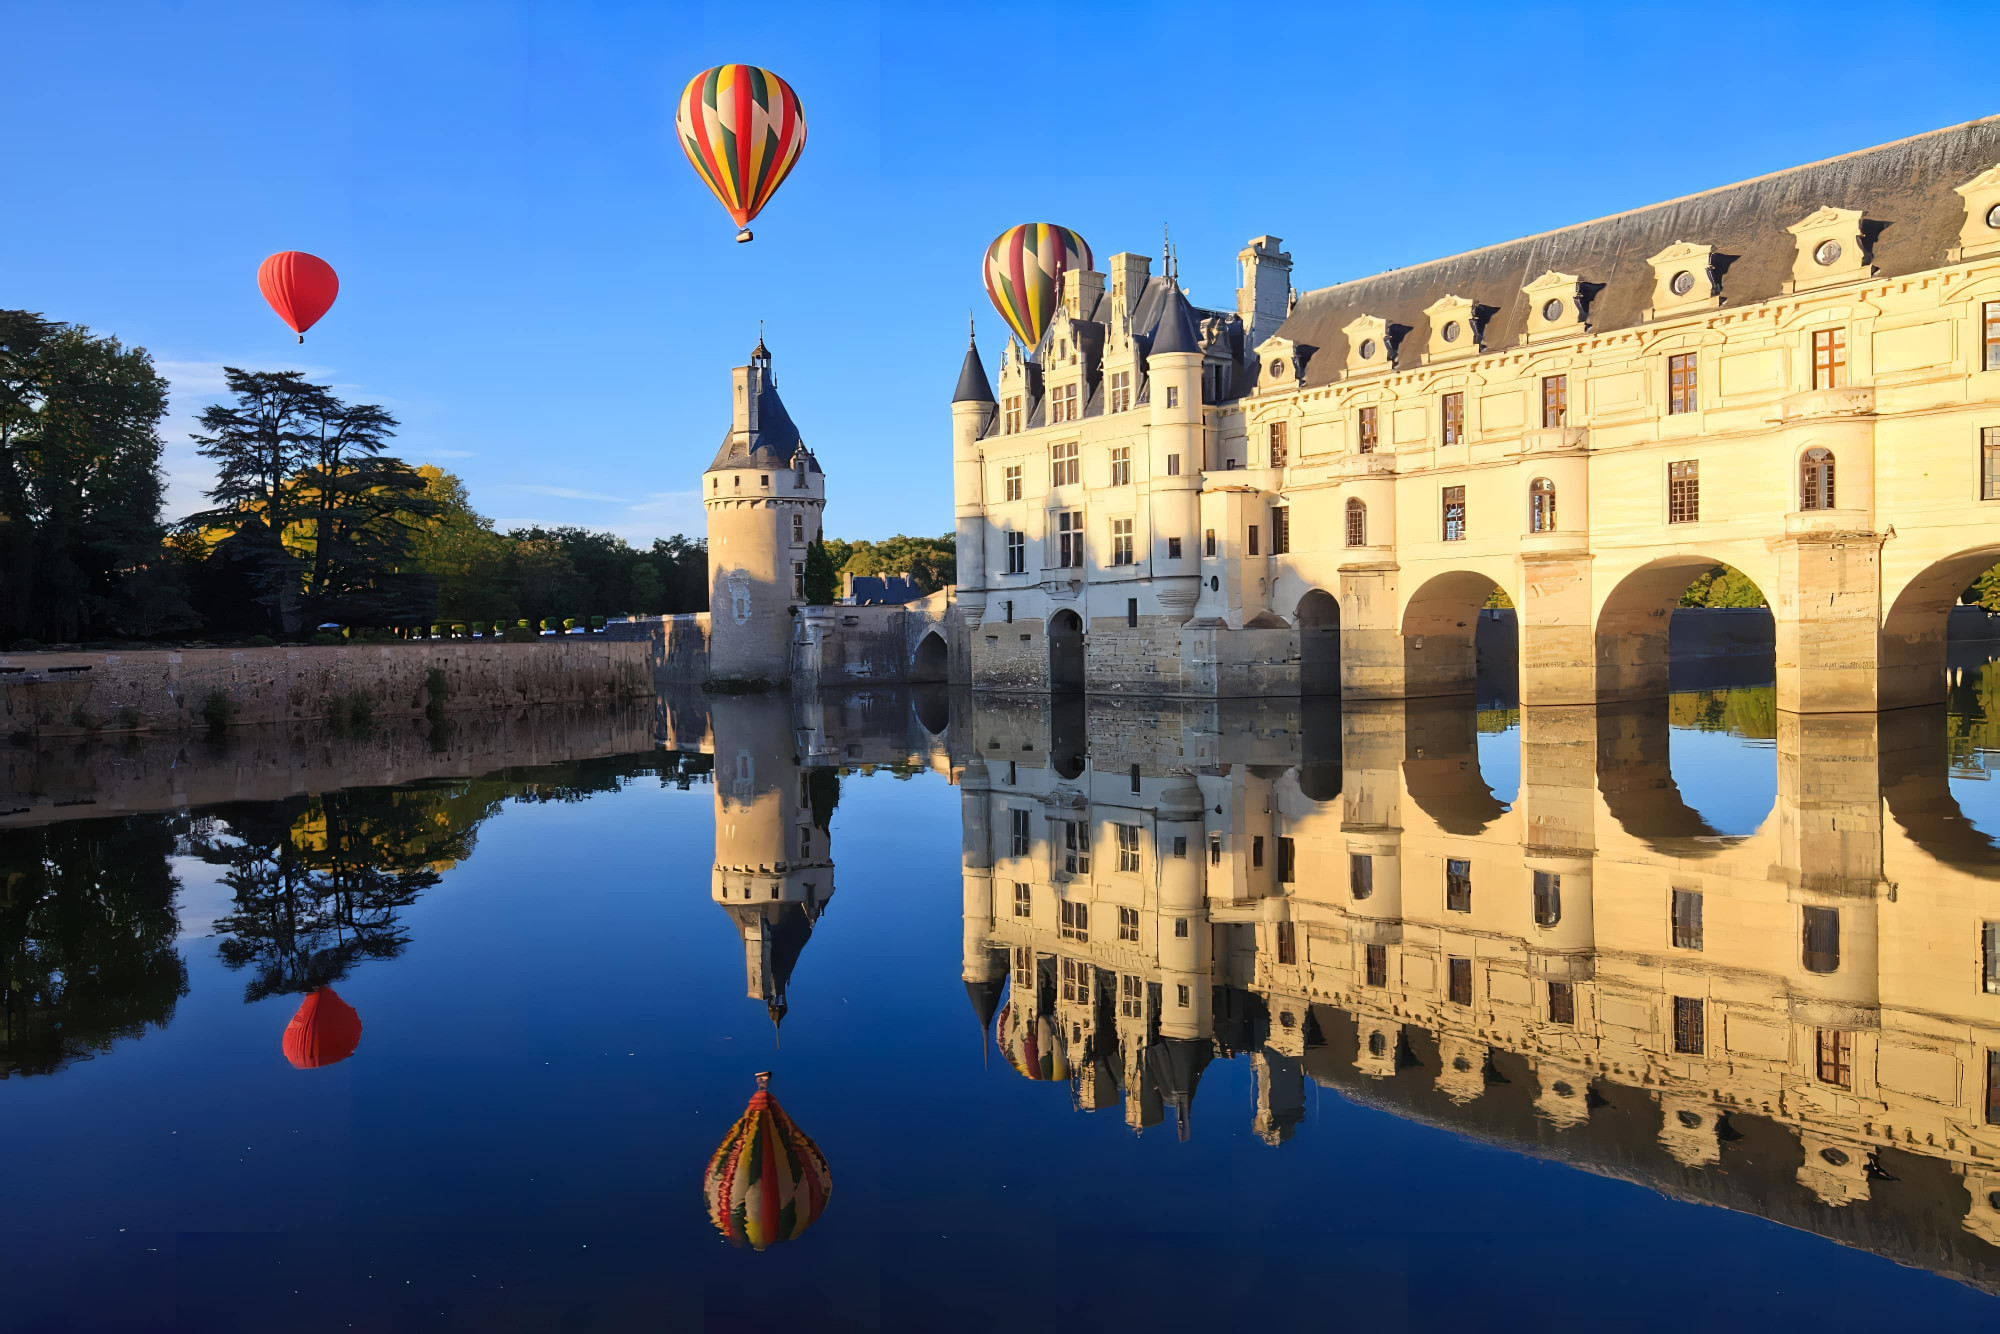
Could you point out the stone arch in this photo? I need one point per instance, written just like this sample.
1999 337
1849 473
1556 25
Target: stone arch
932 706
1911 658
1440 630
1319 643
1635 773
1441 769
1066 651
1632 646
932 661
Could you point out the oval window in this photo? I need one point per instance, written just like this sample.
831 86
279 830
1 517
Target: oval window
1834 1156
1692 1120
1450 331
1828 252
1993 217
1552 311
1377 1044
1277 368
1367 349
1562 1090
1682 284
1214 583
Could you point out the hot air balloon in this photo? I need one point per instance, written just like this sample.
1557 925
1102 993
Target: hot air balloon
300 287
768 1180
1024 270
324 1031
1032 1045
742 128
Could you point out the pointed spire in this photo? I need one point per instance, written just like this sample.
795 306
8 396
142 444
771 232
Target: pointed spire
1175 331
973 386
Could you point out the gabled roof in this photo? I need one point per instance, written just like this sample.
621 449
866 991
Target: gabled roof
1904 190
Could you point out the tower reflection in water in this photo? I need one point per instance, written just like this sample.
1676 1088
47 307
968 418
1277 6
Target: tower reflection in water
1800 1022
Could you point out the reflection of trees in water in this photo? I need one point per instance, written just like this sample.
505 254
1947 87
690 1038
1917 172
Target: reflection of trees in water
1972 720
87 931
1750 712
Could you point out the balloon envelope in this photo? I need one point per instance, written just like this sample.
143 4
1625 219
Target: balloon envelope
324 1031
742 129
1024 269
768 1181
300 287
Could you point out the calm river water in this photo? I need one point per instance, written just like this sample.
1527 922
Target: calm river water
1246 1016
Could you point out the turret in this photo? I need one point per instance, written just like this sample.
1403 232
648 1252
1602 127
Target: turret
1173 372
972 409
765 496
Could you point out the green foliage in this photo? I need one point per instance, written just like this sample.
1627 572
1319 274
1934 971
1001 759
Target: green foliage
351 712
80 486
217 710
1723 586
822 576
931 562
1745 711
1498 598
1984 591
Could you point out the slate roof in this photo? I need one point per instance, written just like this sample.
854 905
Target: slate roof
973 386
776 440
1903 189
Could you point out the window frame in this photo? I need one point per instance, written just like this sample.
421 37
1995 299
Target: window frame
1128 925
1458 979
1360 875
1357 522
1069 539
1458 884
1278 445
1020 833
1684 491
1816 479
1542 505
1375 963
1121 391
1562 1004
1121 465
1451 418
1017 552
1010 415
1121 541
1555 401
1690 1030
1834 1057
1065 463
1451 497
1683 383
1989 463
1024 899
1367 430
1012 486
1281 530
1829 358
1684 925
1128 847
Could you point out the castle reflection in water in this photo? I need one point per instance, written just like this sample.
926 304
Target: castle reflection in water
1801 1022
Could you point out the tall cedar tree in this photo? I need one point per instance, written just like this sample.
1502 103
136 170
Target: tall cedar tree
80 484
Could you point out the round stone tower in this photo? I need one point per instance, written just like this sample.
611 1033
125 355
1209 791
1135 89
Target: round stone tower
765 495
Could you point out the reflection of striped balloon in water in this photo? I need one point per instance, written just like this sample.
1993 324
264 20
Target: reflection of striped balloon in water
742 129
768 1180
1024 270
1032 1045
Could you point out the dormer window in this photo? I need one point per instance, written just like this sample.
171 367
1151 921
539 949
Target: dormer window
1830 249
1121 391
1368 345
1683 280
1557 302
1062 404
1010 415
1453 331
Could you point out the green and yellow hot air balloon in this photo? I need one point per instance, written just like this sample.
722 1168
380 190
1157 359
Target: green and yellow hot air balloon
768 1181
1024 272
742 129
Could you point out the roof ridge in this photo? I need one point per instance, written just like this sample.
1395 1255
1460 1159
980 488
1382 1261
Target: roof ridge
1657 204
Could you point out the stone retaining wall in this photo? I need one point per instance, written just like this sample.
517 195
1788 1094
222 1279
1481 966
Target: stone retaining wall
55 694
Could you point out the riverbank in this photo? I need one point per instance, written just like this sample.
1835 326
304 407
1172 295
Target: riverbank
78 693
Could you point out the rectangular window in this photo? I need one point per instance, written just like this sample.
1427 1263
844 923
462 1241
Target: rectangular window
1062 404
1377 957
1257 851
1989 463
1829 358
1010 415
798 530
1454 514
1288 858
1457 885
1173 396
1181 991
798 579
1459 973
1452 411
1011 480
1555 400
1684 491
1280 450
1281 529
1364 432
1360 874
1064 468
1173 548
1836 1057
1069 540
1820 948
1173 465
1548 898
1017 553
1690 1026
1208 542
1288 943
1562 1003
1131 994
1121 390
1990 337
1128 924
1215 849
1076 847
1024 900
1075 921
1019 844
1075 979
1013 773
1180 928
1128 847
1252 537
1989 958
1121 541
1687 919
1682 393
1121 466
1132 622
1357 523
1135 769
1180 845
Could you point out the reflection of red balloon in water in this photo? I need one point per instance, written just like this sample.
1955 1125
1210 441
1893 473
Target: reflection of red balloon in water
325 1030
300 287
768 1181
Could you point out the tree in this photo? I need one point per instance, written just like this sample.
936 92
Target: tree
80 484
1723 586
458 548
931 562
649 593
683 565
822 576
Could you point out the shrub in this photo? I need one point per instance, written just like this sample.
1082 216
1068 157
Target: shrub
218 709
259 641
25 646
353 711
128 716
326 639
439 690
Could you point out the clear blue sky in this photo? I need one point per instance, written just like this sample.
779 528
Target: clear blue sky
536 283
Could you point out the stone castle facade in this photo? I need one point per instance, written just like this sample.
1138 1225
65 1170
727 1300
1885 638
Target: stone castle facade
1797 376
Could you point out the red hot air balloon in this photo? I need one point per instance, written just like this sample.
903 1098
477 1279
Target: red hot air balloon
324 1031
768 1181
300 287
742 129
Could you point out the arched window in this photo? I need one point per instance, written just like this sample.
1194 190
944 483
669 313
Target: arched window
1816 480
1541 506
1357 523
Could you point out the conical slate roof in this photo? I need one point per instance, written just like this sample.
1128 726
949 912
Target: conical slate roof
973 386
773 439
1175 331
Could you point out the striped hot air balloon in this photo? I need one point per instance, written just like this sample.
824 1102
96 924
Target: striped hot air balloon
1032 1044
1024 270
768 1181
742 128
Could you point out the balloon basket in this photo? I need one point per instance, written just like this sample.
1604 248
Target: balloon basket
302 338
744 235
